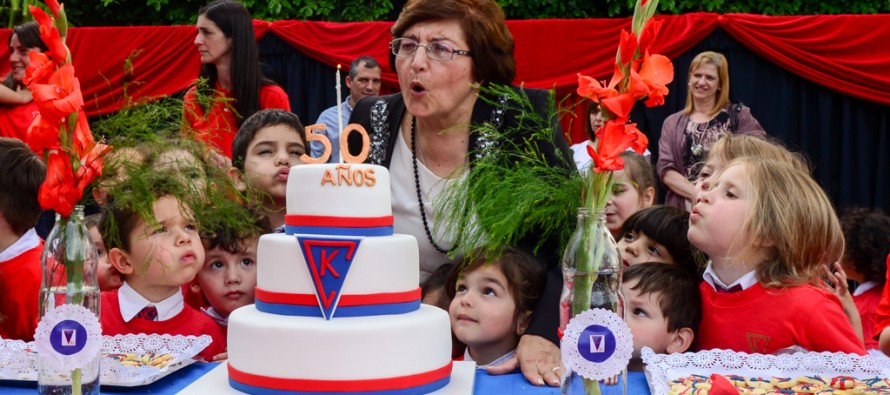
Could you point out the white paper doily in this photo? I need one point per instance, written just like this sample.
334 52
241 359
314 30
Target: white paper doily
182 348
68 337
662 368
19 361
597 344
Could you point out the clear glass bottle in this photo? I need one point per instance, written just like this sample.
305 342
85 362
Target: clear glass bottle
591 268
70 264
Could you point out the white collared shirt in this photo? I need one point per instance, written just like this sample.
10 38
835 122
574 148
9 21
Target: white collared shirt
496 362
746 281
28 241
132 303
864 287
212 313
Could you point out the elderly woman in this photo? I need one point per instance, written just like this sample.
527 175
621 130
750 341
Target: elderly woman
15 119
686 136
443 52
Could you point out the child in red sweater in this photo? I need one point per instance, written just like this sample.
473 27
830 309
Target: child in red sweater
20 247
868 242
156 257
768 228
228 276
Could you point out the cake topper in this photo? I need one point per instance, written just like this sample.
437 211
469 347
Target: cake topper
345 155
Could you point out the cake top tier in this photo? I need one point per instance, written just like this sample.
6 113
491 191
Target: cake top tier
344 191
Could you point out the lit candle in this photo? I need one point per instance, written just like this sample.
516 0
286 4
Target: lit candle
339 109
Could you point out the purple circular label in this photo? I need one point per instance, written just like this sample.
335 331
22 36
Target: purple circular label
68 337
596 343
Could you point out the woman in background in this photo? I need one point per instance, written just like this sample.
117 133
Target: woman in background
230 64
686 136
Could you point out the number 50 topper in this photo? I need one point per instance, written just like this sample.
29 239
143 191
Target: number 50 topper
345 155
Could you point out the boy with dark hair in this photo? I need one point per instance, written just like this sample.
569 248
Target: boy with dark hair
268 143
20 247
663 308
228 277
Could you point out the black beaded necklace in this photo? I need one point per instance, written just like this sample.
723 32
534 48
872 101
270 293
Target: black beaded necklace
426 226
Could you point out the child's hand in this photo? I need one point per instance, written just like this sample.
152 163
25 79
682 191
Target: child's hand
610 381
837 282
220 357
219 160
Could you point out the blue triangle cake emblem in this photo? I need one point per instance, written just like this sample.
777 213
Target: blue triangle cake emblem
328 261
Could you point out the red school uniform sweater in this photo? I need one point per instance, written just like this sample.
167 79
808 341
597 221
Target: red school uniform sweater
219 126
763 320
882 314
867 304
188 322
15 120
19 290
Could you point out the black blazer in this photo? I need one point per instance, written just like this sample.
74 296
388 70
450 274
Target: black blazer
381 117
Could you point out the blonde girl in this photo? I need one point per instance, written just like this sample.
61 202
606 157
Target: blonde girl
768 228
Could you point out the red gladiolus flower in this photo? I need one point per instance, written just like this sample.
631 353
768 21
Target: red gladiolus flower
54 7
40 70
619 106
61 96
58 191
640 142
91 166
647 36
83 137
50 36
613 140
627 46
592 89
43 135
656 71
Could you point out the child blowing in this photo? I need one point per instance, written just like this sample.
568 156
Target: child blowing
156 256
492 304
20 247
768 228
267 145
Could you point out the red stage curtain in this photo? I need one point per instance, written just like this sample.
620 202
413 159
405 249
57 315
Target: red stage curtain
847 53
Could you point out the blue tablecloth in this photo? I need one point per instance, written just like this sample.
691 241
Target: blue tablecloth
515 383
171 384
485 384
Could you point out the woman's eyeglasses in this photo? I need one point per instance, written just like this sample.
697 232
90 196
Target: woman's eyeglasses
435 50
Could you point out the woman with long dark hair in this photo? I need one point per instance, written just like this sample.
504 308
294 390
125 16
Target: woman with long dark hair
230 65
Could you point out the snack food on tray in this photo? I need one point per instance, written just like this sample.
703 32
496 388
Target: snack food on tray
151 359
839 385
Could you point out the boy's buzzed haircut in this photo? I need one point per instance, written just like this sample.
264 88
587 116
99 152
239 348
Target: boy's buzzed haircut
262 119
23 172
678 297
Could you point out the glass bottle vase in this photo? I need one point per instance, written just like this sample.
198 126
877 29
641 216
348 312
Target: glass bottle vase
591 269
69 349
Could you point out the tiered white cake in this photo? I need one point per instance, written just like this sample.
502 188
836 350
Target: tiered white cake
337 300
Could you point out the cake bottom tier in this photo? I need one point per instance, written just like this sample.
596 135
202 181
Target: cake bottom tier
391 354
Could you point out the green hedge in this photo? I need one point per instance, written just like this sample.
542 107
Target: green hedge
182 12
